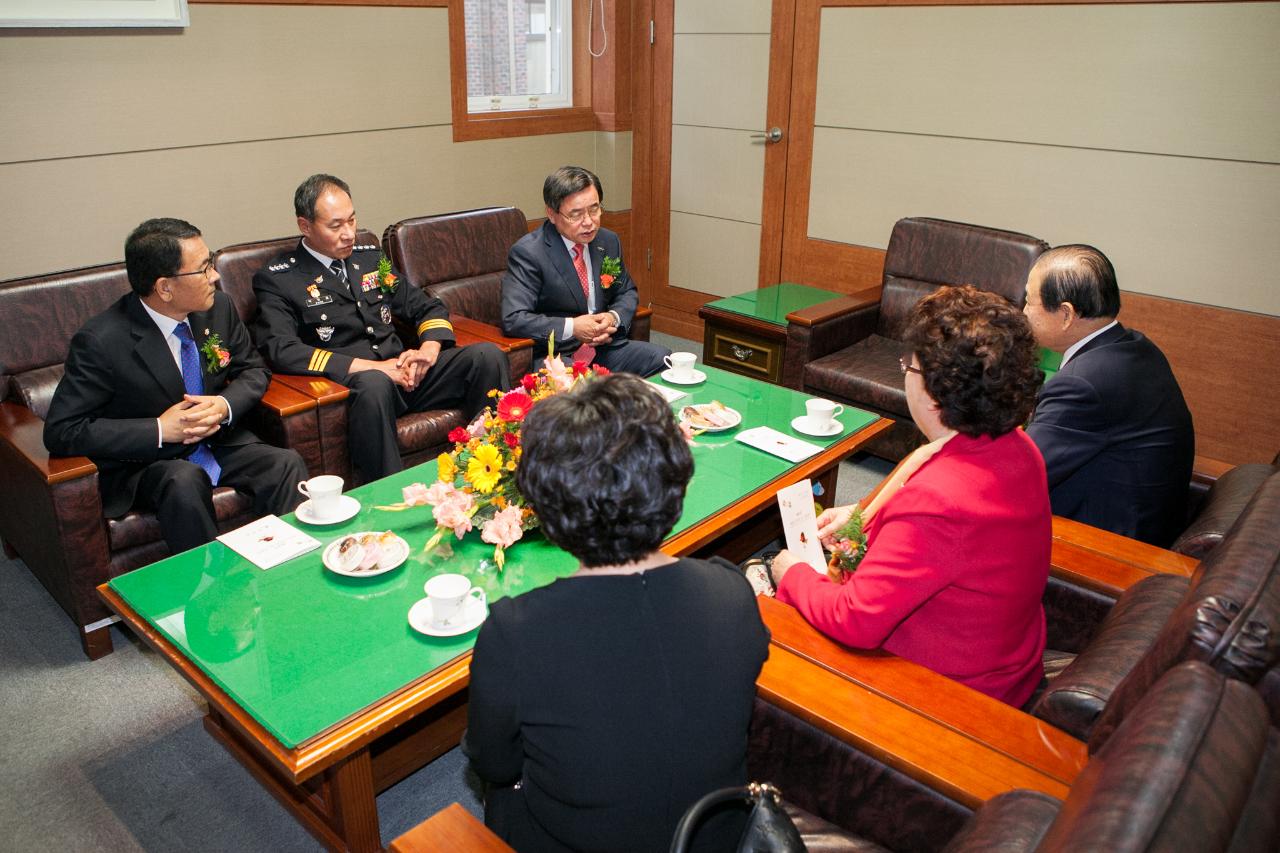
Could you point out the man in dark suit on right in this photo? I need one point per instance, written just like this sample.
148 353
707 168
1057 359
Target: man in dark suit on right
1112 424
567 281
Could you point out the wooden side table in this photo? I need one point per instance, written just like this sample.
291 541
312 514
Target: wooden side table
747 334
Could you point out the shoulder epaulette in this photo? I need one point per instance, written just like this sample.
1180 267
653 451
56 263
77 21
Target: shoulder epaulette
280 267
366 247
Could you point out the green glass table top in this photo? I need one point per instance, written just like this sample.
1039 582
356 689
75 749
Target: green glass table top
773 304
301 648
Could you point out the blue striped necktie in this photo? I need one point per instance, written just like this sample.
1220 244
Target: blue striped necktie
193 382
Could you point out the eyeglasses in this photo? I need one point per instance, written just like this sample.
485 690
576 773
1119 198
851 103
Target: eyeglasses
905 364
576 216
206 269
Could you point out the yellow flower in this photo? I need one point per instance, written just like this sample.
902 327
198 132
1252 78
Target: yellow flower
447 468
511 466
485 468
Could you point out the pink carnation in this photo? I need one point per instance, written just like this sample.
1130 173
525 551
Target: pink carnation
476 428
415 495
561 377
504 528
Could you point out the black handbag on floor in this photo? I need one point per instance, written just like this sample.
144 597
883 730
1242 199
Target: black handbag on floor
769 829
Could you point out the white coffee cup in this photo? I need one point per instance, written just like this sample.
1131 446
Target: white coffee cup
681 364
324 492
822 412
447 593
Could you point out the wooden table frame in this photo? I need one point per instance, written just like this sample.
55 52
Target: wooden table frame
330 781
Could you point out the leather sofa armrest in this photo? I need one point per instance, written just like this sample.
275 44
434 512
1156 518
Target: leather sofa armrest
325 392
51 514
330 428
956 740
286 417
822 329
1077 696
1107 563
1009 823
471 331
641 323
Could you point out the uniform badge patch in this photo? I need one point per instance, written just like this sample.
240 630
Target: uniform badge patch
368 281
385 311
325 332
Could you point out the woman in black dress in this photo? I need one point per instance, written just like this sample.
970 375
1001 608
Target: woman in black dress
602 706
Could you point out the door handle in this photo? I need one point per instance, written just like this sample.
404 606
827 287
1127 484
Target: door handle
774 134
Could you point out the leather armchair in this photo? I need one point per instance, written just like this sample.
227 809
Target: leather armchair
1194 766
1226 615
421 435
50 506
461 259
850 352
1220 507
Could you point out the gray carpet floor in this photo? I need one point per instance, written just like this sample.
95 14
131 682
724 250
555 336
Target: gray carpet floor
111 755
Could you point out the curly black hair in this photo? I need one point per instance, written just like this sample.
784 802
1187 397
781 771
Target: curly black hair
979 359
605 467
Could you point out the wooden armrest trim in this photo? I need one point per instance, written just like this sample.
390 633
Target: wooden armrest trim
948 703
284 401
643 311
451 828
24 432
1207 471
825 312
1147 558
324 391
470 331
958 766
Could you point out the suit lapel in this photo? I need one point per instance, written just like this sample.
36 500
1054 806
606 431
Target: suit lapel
153 351
563 263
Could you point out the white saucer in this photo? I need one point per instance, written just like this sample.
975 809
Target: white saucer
735 418
421 619
393 554
803 424
696 377
347 509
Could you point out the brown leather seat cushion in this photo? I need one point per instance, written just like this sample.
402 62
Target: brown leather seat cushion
35 388
136 528
418 432
1227 498
867 372
478 297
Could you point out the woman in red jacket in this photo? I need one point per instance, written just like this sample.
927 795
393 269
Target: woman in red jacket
958 539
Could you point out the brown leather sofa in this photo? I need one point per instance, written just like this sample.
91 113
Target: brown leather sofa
1226 615
1193 766
852 354
50 507
1220 506
461 259
421 435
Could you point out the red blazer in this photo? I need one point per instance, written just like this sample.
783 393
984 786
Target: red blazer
956 565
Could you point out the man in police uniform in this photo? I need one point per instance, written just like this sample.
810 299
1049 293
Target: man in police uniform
324 308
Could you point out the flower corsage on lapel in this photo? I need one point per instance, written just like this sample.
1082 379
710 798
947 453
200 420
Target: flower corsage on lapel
610 269
386 278
216 356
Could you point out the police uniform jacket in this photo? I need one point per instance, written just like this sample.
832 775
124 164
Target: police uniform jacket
310 322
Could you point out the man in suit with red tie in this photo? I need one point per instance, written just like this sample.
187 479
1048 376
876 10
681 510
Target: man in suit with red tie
567 280
156 390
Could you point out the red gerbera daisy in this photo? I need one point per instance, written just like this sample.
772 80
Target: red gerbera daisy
529 382
513 406
511 438
458 434
580 367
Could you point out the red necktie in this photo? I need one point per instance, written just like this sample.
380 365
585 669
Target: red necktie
586 352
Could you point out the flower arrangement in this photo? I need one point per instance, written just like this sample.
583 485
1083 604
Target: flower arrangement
386 278
848 547
610 269
476 484
216 356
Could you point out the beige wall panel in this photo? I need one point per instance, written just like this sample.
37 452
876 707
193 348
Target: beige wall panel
714 255
244 191
716 172
1174 78
237 73
613 167
720 80
723 16
1199 230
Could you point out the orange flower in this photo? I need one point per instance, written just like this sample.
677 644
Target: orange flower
606 280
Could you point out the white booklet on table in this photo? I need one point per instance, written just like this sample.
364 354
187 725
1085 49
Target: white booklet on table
268 542
777 443
669 394
800 524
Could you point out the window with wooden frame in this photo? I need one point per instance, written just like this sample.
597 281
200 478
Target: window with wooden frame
518 68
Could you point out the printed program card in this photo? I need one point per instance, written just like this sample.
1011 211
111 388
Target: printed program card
800 524
779 444
268 542
669 394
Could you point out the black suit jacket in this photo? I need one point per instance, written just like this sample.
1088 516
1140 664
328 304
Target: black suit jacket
541 287
1117 438
120 376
